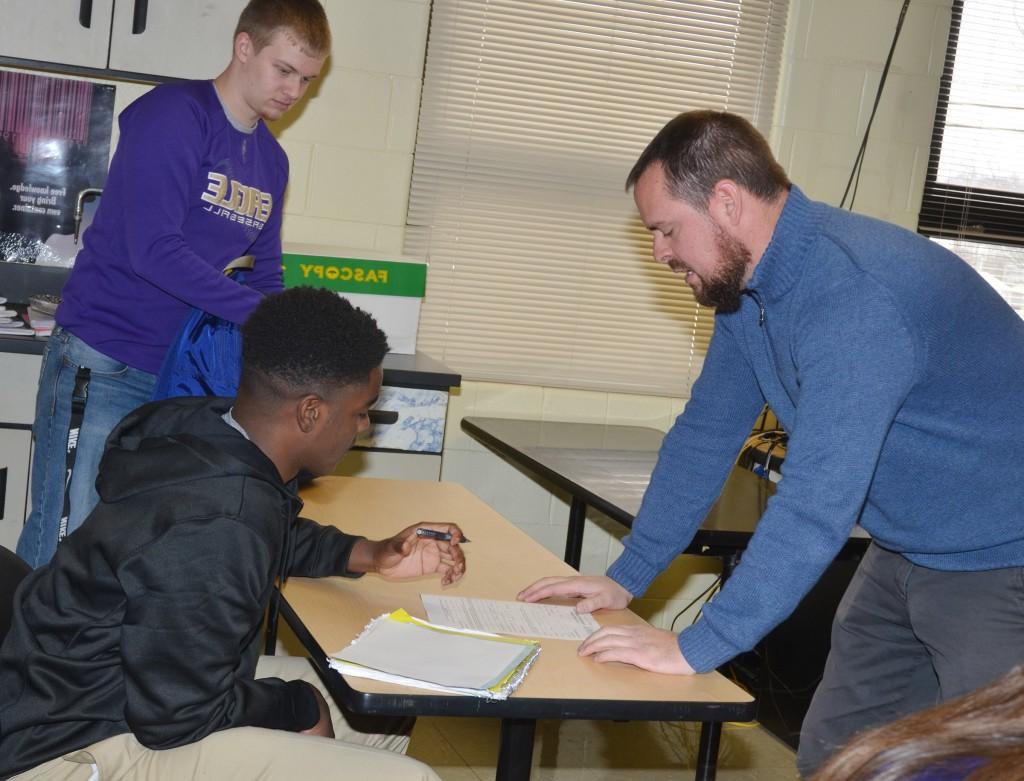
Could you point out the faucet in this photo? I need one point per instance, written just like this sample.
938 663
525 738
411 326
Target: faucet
88 192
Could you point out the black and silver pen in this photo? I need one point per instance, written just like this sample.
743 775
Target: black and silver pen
433 534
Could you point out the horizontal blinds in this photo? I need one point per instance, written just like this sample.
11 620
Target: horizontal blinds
1001 265
532 115
975 181
974 190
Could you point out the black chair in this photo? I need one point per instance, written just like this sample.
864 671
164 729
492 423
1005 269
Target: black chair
13 570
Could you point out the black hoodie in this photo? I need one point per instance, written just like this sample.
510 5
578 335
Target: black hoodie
148 618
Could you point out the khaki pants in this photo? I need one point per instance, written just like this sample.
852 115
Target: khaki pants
246 753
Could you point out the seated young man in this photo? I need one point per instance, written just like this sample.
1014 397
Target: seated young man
135 652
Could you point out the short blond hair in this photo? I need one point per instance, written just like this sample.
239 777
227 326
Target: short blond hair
305 18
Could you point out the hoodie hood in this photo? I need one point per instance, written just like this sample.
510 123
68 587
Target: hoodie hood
147 449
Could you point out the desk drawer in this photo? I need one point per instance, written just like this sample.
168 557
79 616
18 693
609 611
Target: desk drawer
420 424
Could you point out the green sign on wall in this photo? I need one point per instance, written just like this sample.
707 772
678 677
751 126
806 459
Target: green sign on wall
353 275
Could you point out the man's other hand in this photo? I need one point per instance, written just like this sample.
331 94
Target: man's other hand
594 592
643 646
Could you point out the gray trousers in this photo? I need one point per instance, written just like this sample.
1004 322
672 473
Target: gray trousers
905 638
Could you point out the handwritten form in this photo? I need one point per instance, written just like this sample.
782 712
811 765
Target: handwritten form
523 619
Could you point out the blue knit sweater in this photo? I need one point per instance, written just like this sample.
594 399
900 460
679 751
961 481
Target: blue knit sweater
898 374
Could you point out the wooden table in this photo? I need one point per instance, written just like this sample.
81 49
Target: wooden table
327 613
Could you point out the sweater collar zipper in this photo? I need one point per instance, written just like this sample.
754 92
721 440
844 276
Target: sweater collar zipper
760 306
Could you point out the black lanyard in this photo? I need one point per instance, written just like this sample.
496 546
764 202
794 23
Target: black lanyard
79 396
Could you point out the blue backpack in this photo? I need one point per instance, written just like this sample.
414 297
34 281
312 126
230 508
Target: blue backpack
205 359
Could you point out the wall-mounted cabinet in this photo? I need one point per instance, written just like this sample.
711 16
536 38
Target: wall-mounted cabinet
163 38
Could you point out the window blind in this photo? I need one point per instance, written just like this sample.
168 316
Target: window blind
532 114
974 189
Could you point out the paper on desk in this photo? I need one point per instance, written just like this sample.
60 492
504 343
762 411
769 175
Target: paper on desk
524 619
399 648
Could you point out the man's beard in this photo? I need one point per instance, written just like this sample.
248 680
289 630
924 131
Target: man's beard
722 291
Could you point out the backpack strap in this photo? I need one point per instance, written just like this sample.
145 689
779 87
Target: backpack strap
244 263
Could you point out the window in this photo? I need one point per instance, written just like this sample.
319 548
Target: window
974 192
533 112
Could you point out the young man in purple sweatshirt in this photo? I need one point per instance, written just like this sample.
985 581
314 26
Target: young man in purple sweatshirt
197 180
898 373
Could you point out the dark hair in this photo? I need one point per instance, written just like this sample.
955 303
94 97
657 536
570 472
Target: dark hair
698 149
981 732
308 340
306 18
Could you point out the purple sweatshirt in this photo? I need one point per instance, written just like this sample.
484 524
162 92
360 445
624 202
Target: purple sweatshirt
187 192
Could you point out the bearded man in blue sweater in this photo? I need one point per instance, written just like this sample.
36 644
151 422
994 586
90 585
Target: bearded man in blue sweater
898 373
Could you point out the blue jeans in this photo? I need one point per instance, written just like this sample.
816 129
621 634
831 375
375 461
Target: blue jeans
115 389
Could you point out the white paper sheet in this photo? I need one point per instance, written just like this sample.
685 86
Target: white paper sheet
523 619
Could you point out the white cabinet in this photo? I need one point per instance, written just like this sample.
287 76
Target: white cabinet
420 425
190 39
17 409
75 32
179 38
15 455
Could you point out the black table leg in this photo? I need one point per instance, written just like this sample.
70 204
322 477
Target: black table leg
574 535
516 753
270 642
707 754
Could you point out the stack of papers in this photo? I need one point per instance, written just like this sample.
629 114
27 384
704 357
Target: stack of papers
399 648
13 321
41 322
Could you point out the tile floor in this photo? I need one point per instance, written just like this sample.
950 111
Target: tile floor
465 750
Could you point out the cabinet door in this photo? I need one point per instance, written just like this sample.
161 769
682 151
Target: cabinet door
15 454
75 32
189 39
420 424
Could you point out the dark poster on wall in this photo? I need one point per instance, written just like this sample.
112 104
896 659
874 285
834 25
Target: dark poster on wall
54 152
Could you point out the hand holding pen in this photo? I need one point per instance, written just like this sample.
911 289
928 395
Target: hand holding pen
419 550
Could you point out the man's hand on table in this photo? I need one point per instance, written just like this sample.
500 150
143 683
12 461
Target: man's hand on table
640 645
643 646
593 593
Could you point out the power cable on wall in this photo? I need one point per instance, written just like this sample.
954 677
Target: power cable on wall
854 180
